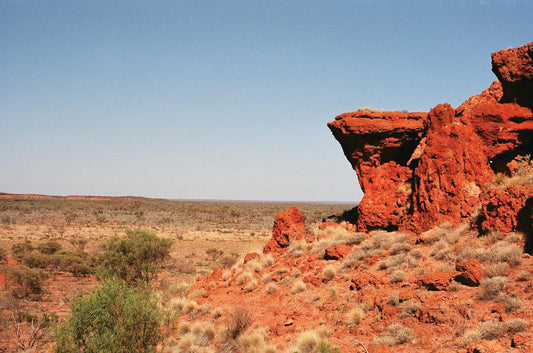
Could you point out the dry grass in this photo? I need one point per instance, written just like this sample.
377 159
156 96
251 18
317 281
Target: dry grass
491 288
397 334
355 316
298 286
328 273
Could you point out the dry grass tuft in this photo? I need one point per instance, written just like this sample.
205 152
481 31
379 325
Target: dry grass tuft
397 334
328 273
298 286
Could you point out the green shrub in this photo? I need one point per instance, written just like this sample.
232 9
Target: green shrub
20 249
36 260
114 318
3 255
49 247
135 258
28 280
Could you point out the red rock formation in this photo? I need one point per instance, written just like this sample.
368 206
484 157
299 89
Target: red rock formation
337 252
419 169
288 226
470 272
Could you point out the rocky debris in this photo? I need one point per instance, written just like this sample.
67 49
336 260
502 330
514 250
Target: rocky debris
418 170
251 256
337 252
439 280
288 226
471 273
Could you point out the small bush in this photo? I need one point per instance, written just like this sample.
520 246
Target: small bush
135 258
21 249
310 341
397 334
409 308
496 270
28 280
271 288
3 255
397 275
489 330
298 286
236 324
49 247
491 288
115 316
355 316
243 278
227 261
328 273
523 276
36 260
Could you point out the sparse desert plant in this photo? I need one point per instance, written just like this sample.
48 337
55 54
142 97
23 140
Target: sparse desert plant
523 276
114 315
397 275
267 260
516 324
394 299
489 330
397 334
501 251
271 288
27 332
409 308
243 278
491 288
511 302
214 254
251 285
254 265
227 261
328 273
298 286
20 249
442 251
495 269
135 258
355 316
298 248
28 280
309 341
3 255
255 342
236 324
50 247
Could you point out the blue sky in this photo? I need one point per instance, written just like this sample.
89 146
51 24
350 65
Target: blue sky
225 99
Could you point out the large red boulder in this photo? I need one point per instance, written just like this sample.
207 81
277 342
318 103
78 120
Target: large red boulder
420 169
288 226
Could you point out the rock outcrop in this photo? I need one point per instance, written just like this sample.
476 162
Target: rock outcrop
288 226
457 165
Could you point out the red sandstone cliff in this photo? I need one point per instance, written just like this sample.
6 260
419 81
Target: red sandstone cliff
462 165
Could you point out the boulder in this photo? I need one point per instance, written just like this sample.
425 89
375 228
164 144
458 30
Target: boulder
288 226
471 273
337 252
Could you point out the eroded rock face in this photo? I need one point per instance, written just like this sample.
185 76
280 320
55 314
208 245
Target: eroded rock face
419 169
288 226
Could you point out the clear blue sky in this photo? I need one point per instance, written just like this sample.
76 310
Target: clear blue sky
225 99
